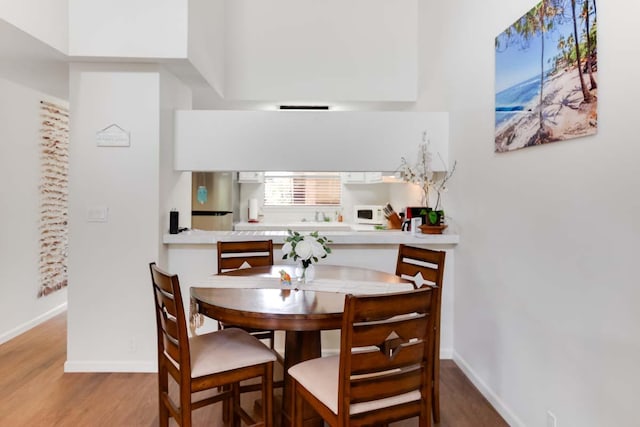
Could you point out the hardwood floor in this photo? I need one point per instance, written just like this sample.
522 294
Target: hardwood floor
36 392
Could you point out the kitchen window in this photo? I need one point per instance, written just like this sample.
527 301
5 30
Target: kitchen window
302 189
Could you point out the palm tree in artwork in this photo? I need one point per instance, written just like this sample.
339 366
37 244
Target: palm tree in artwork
542 13
585 15
571 41
585 92
562 47
528 27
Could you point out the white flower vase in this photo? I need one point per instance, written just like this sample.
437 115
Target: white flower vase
305 274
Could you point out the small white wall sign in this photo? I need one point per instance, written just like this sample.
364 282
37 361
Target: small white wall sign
113 136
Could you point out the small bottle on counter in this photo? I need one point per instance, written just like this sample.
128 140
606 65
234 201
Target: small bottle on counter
173 221
339 218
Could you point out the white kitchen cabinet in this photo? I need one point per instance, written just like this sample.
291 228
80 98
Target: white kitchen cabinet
353 178
372 177
361 177
251 177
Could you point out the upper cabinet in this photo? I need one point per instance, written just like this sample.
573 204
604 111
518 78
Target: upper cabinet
215 140
251 177
361 177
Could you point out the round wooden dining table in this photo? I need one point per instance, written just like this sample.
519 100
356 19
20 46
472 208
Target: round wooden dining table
301 313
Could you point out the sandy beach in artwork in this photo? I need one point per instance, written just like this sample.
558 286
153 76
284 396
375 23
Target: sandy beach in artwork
565 115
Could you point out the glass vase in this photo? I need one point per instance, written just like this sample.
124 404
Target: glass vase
305 274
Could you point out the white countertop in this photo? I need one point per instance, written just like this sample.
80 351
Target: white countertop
201 237
321 226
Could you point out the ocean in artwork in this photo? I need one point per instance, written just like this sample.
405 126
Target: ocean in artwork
514 100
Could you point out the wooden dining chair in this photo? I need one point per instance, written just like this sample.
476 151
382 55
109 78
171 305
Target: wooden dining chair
383 373
234 255
426 266
217 360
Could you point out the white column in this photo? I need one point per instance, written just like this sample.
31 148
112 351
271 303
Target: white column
110 317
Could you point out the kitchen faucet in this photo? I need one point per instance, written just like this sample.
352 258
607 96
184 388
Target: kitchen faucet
317 217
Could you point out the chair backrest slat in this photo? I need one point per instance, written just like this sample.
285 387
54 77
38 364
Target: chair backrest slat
386 357
397 304
232 255
390 384
427 262
386 344
170 318
235 263
410 326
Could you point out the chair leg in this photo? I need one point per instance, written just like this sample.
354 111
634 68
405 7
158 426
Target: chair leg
267 396
185 413
296 406
163 388
226 405
435 399
424 420
164 415
235 405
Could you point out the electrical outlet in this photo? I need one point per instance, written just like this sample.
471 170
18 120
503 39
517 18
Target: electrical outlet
551 420
132 345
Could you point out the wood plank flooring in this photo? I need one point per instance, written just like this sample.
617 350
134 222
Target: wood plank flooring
34 391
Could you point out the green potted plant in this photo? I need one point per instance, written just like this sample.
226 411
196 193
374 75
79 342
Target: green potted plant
432 217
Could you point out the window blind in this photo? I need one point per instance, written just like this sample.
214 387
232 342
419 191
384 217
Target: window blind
302 188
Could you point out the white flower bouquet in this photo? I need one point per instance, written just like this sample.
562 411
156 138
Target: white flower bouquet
308 249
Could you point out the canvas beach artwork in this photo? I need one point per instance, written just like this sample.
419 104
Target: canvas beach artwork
546 75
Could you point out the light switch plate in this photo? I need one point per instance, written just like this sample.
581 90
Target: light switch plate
97 214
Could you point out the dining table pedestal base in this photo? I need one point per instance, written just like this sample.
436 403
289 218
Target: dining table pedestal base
299 346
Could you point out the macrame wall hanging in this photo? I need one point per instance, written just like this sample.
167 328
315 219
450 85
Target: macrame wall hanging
54 207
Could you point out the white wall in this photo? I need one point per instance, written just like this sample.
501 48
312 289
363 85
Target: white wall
20 308
110 317
333 50
175 187
206 40
47 21
546 314
111 322
126 28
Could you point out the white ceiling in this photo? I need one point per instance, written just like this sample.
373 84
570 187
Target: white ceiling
28 61
32 63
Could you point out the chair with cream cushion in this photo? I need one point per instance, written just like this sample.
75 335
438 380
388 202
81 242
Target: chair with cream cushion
245 254
204 362
383 372
426 266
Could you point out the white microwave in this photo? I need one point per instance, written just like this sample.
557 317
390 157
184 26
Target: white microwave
369 214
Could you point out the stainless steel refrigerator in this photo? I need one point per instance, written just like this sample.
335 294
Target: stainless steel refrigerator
214 200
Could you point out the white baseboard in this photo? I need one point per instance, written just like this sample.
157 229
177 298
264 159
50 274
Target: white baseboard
33 323
133 366
446 353
487 392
